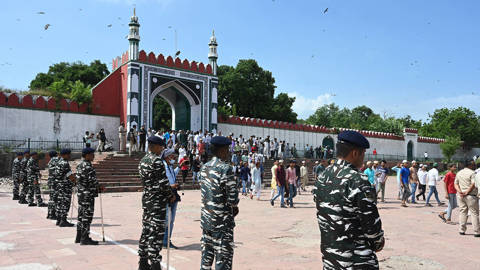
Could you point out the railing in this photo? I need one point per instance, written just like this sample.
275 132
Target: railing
26 144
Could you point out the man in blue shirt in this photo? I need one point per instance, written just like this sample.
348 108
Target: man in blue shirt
405 175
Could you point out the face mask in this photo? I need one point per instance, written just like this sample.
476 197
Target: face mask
172 161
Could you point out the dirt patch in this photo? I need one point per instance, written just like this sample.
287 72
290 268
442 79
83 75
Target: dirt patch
410 263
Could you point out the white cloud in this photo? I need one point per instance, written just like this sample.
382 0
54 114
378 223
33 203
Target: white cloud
305 106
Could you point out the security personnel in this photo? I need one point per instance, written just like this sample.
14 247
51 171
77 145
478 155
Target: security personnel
156 194
52 186
219 206
87 185
64 180
23 177
350 227
16 175
33 175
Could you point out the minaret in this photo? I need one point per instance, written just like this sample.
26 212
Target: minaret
212 54
133 37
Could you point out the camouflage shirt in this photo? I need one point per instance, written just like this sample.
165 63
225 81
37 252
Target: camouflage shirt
156 187
62 171
16 168
32 169
51 168
350 226
219 194
23 168
87 183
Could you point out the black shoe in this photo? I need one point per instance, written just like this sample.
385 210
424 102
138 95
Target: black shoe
428 204
283 206
461 233
88 241
65 223
476 235
143 264
271 202
78 237
53 216
22 201
31 204
58 221
156 266
173 246
42 204
15 197
440 204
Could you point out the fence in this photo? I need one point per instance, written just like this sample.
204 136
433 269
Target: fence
27 144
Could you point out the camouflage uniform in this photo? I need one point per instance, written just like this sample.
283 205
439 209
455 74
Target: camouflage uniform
351 229
156 194
219 195
16 177
23 179
52 186
64 188
33 172
87 185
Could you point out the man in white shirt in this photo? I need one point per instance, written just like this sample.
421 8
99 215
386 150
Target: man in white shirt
303 175
122 133
422 179
433 178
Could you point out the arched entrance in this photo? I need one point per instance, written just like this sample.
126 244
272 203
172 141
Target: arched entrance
329 144
180 105
410 150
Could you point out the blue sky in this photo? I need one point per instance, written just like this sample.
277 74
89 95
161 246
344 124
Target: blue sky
398 57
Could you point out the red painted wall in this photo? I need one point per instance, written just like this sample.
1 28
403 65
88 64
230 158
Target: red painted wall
40 103
13 100
106 96
123 97
27 101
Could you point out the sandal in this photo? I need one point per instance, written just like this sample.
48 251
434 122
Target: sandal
442 218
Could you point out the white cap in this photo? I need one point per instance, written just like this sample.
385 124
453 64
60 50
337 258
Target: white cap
369 162
404 161
281 161
414 161
303 161
375 162
316 162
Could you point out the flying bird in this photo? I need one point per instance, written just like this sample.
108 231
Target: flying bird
325 11
47 26
169 26
109 25
41 12
163 38
119 18
80 9
177 54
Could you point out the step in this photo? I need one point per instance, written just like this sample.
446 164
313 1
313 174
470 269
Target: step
124 189
116 184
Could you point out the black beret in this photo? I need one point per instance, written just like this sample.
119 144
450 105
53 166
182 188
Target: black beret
19 154
65 151
33 153
156 140
220 140
26 152
87 150
52 153
354 138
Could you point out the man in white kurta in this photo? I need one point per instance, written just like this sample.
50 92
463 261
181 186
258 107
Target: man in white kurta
256 181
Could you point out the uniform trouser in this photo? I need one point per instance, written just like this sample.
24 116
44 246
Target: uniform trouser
173 212
153 230
219 246
64 199
466 204
24 188
86 206
52 198
34 189
16 186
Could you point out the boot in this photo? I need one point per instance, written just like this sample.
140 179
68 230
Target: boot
15 197
78 237
88 241
22 201
53 215
65 223
42 204
58 221
143 264
156 266
32 204
49 216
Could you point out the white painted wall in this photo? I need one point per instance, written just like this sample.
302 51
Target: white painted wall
383 146
49 126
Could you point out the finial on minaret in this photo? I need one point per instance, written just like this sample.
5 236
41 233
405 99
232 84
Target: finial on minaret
212 54
134 12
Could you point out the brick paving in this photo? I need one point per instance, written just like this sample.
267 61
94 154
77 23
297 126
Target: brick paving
265 237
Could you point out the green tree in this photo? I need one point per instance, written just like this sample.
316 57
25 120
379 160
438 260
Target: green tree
162 114
323 116
451 122
80 93
248 90
451 144
60 89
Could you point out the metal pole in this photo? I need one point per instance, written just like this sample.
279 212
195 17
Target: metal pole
168 237
101 214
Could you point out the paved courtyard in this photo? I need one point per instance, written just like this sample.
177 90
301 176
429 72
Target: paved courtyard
265 237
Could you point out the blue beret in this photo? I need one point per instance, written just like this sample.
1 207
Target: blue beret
156 140
19 154
220 140
87 150
26 152
65 151
33 153
354 138
52 153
